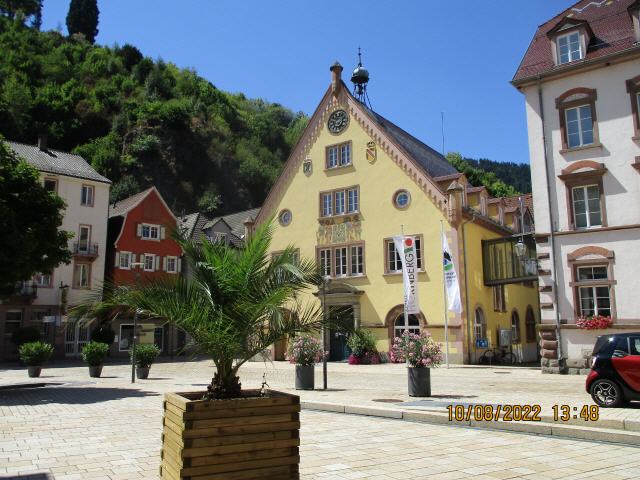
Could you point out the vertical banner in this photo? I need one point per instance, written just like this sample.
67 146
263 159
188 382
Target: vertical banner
450 278
406 248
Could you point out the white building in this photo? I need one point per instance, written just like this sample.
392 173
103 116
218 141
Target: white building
44 300
581 80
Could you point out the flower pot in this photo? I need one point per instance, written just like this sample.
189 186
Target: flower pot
419 382
34 371
249 437
95 370
142 372
304 377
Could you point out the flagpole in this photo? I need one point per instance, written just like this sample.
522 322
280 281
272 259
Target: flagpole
404 309
444 291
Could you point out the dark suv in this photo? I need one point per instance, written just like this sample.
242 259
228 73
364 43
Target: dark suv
615 369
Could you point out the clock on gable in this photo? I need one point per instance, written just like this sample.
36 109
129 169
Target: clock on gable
338 121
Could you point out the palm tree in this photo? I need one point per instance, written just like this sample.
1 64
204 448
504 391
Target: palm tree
235 303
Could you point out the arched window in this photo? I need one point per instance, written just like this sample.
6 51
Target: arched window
479 325
412 325
530 325
515 327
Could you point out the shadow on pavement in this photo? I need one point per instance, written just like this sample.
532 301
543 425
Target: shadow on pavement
68 395
31 476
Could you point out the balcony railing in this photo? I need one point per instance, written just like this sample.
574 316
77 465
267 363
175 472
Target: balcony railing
26 290
502 265
85 249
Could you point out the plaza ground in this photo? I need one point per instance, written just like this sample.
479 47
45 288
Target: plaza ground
107 428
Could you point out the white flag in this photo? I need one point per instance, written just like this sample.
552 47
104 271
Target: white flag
450 278
406 248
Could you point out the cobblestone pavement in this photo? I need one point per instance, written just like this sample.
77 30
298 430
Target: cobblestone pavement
109 429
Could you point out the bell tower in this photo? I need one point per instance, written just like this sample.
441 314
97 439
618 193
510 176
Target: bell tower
360 79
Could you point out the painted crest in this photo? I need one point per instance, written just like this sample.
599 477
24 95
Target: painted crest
371 152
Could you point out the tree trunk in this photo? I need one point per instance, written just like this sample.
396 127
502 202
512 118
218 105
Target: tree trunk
224 384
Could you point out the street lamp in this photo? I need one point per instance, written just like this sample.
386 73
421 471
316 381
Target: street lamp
326 280
135 327
520 247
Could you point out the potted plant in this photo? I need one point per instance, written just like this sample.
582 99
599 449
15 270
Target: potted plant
594 322
145 355
236 303
362 344
34 355
421 353
94 354
304 351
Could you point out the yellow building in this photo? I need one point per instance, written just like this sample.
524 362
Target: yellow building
355 180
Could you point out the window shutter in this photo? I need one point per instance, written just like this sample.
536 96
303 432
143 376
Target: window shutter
157 267
162 233
139 230
117 259
179 265
164 264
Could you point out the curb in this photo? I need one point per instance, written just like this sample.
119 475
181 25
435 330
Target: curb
615 431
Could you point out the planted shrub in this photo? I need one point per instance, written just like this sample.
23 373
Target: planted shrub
419 351
104 334
94 353
304 350
362 344
35 354
146 354
25 335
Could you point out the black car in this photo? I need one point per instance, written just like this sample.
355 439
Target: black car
615 369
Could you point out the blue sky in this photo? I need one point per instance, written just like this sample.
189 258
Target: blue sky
424 57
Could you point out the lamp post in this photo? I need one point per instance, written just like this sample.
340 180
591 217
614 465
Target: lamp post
326 280
135 327
520 247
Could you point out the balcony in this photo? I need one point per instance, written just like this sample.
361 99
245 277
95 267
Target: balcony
501 264
25 293
85 250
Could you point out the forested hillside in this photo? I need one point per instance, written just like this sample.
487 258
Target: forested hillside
502 179
142 122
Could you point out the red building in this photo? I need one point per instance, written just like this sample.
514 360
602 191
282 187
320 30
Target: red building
140 247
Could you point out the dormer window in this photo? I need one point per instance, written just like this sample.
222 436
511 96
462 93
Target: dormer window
569 48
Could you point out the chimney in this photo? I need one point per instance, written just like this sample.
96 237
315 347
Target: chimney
455 192
336 78
248 227
42 142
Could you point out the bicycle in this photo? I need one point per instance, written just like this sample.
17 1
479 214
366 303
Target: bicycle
497 356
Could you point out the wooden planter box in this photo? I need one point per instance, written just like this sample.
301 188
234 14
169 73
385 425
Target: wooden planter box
238 439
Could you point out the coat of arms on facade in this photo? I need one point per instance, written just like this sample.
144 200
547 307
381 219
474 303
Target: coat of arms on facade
371 152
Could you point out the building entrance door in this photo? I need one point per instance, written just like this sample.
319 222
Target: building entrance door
338 350
75 338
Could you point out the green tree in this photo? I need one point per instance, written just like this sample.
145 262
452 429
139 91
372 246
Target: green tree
30 218
28 8
236 303
83 18
478 177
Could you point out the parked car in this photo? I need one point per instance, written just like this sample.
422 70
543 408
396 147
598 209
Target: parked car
615 370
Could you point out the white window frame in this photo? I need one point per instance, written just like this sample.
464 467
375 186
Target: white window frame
593 285
77 278
570 53
37 279
585 189
170 258
578 109
325 262
391 249
153 262
353 200
356 260
340 202
123 255
345 154
400 325
479 324
341 261
515 327
87 246
150 227
327 204
333 156
86 200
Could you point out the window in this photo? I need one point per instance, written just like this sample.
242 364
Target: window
530 325
158 337
81 275
124 260
586 206
634 344
126 337
325 262
579 124
401 199
593 291
412 325
149 262
499 304
284 218
149 232
340 255
479 325
357 264
42 279
633 88
86 197
515 327
51 185
338 155
569 48
171 264
84 237
340 202
393 263
13 321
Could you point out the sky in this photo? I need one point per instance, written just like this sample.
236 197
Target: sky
424 56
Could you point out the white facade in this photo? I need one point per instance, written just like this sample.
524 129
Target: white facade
609 163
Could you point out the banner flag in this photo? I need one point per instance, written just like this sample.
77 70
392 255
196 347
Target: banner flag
406 249
450 278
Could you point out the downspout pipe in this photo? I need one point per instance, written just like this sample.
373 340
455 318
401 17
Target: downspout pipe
551 228
466 286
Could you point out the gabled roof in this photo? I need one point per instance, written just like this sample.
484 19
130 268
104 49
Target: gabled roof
122 207
612 28
235 220
513 203
192 225
56 162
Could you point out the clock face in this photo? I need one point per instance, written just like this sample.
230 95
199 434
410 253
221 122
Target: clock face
338 121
